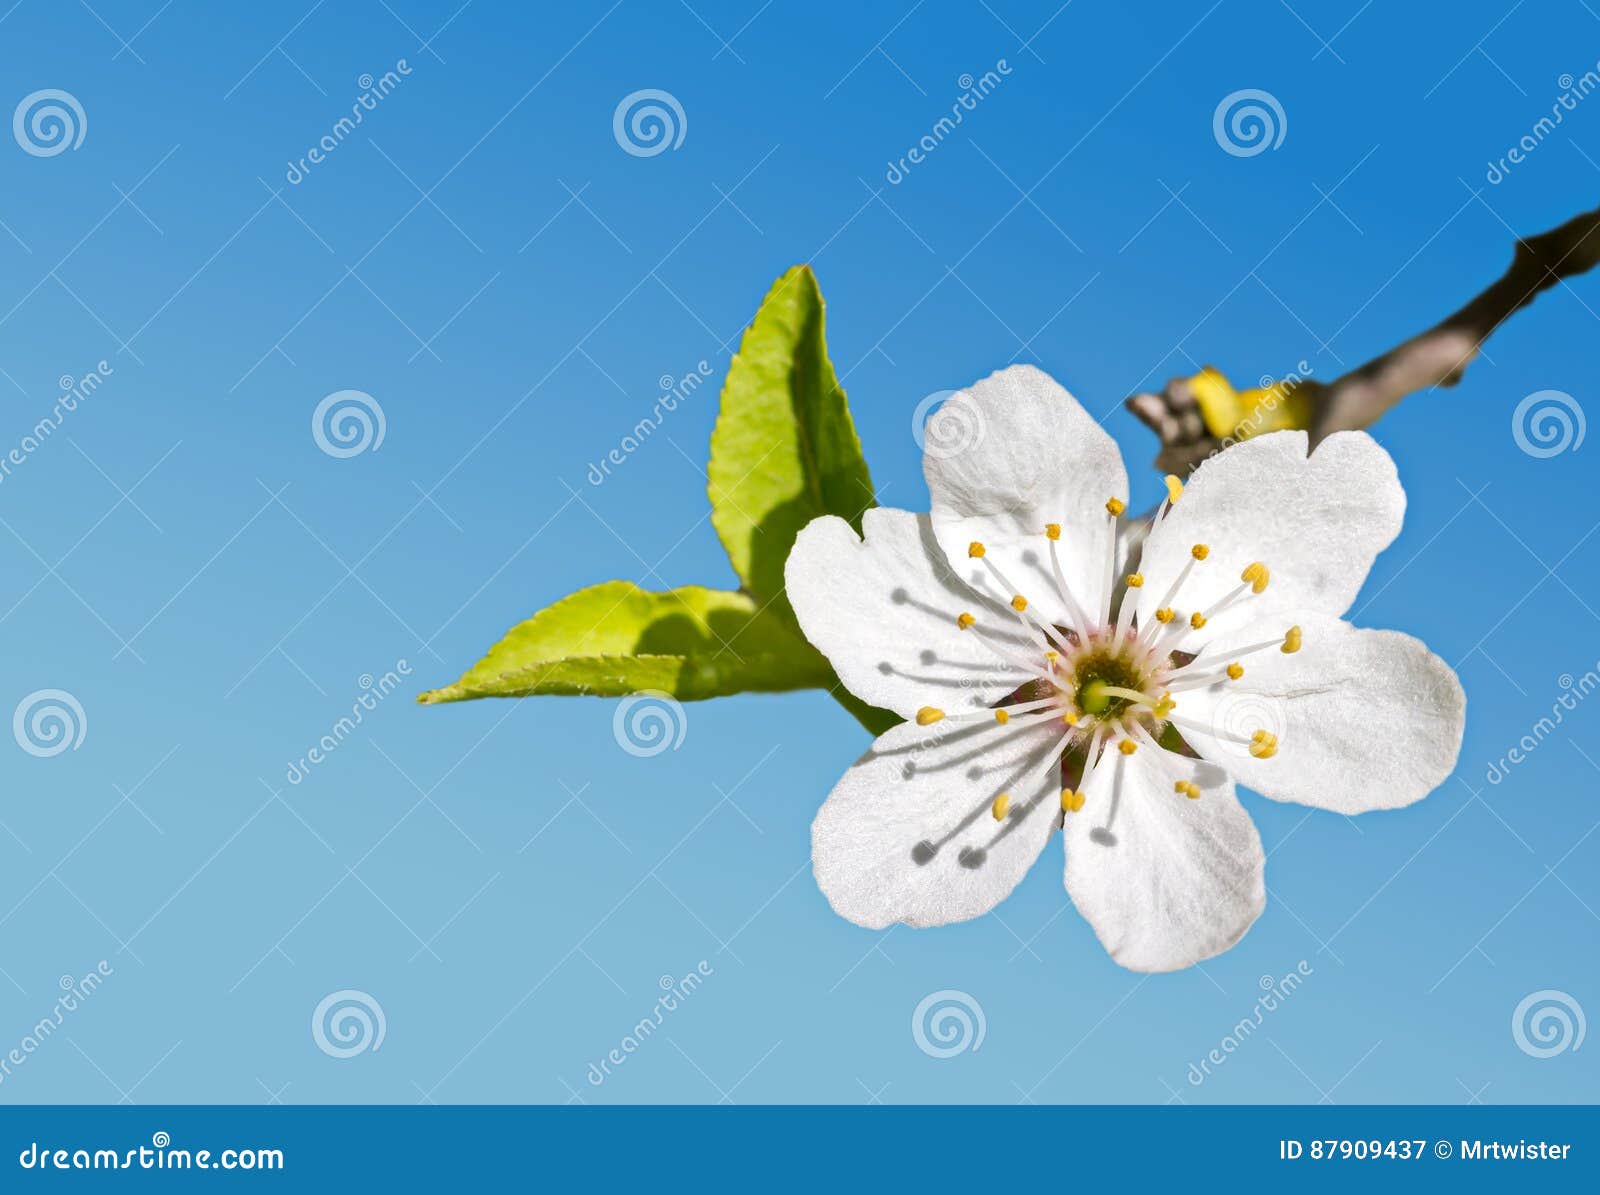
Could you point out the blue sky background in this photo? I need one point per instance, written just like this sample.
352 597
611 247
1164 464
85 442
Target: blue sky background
484 259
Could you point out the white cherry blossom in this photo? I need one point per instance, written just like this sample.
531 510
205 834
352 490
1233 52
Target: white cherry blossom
1059 668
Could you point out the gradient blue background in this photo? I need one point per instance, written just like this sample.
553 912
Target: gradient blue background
513 924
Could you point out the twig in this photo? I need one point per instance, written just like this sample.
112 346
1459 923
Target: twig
1437 357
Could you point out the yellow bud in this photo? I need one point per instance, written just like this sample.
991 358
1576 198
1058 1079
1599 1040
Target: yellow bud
1116 505
1235 671
1197 620
1019 603
965 621
1164 615
975 549
1199 551
1002 717
1127 746
1052 530
1135 580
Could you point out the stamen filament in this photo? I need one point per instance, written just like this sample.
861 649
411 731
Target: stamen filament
1020 607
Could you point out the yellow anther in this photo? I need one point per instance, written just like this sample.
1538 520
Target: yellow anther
1197 620
1001 804
1258 575
1052 656
1174 487
1071 802
1116 505
1164 614
1019 603
1164 707
1002 717
965 620
1135 580
1291 641
1188 788
1052 530
1070 717
1235 671
928 715
1263 744
1199 551
1127 746
975 549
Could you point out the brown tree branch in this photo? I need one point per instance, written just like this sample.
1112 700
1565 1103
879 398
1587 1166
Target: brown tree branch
1436 357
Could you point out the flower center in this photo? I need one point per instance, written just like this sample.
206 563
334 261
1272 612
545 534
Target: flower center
1106 677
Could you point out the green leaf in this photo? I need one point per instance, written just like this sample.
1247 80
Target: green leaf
613 639
784 450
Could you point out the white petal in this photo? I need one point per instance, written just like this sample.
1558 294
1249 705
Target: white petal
1365 719
1031 456
883 609
1317 522
1164 880
909 835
